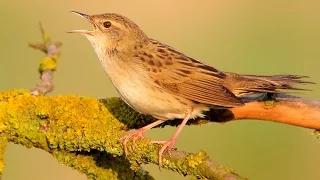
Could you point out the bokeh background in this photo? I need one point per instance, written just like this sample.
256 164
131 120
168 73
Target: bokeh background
259 37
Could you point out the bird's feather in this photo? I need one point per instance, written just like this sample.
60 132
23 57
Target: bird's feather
187 77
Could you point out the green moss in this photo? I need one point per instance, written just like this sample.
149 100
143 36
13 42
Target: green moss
81 128
316 133
101 165
269 99
269 103
125 114
188 165
82 133
85 164
194 160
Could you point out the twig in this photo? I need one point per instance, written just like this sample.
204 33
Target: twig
47 64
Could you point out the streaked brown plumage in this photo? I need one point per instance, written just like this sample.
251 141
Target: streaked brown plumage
156 79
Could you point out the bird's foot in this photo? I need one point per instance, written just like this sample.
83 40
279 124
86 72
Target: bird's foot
135 134
166 144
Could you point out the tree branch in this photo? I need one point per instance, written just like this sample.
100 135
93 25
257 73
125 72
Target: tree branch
67 125
281 108
287 109
78 130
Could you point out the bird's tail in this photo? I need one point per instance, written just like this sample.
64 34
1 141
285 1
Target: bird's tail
242 85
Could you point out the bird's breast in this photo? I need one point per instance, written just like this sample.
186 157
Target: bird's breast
140 92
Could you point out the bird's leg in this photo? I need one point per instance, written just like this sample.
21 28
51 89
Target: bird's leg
171 142
137 134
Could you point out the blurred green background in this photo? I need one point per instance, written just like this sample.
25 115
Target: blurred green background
249 36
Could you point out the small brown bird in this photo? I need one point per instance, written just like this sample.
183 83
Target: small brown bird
158 80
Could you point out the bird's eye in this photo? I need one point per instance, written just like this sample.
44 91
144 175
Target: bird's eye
107 24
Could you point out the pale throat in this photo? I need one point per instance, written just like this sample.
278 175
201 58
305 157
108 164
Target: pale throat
108 57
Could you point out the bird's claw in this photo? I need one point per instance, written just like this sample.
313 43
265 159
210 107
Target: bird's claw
166 144
136 134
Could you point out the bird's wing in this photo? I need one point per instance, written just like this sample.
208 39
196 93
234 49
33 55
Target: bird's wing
186 77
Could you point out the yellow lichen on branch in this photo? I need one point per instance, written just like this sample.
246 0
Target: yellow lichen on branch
67 122
77 129
3 145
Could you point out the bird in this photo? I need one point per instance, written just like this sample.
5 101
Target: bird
155 79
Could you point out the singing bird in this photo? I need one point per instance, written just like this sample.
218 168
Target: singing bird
156 79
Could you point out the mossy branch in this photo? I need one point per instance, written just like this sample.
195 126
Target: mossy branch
82 133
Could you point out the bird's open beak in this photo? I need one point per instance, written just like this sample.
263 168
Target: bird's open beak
85 16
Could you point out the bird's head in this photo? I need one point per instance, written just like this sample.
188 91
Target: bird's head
112 30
